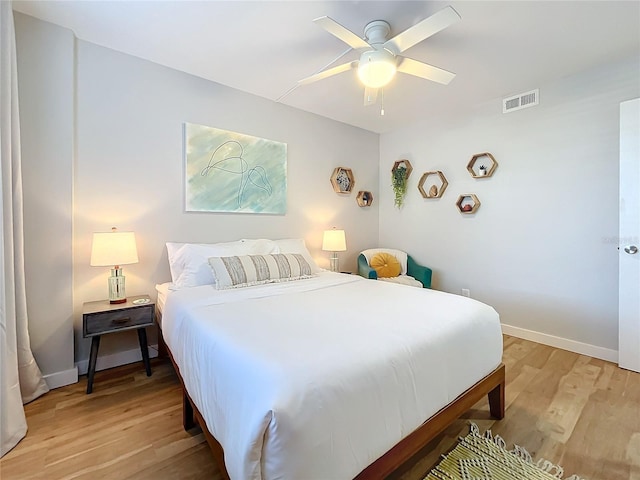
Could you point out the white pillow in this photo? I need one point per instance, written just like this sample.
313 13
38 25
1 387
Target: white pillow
189 264
247 270
399 254
296 245
260 246
172 251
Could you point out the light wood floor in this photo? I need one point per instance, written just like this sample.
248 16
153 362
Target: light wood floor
573 410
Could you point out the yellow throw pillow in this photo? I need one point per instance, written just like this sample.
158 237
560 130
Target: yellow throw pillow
386 265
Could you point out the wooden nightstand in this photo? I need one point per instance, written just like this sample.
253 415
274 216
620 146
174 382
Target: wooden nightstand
102 317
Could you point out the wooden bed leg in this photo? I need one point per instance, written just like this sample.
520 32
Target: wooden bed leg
162 346
188 417
496 399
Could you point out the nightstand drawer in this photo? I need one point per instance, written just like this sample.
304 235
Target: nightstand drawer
103 322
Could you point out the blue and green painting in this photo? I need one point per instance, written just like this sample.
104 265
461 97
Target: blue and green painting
232 172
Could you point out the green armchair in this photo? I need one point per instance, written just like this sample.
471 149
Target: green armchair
413 269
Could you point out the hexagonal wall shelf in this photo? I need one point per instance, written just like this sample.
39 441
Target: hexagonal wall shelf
482 160
468 203
342 180
434 191
404 163
364 199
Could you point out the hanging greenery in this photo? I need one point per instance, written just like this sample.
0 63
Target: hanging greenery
399 178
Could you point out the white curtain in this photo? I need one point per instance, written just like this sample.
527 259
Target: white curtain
20 377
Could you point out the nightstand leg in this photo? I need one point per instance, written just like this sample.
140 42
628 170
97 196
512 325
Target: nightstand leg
93 356
142 337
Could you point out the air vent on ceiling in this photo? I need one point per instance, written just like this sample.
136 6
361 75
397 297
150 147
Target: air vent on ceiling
520 101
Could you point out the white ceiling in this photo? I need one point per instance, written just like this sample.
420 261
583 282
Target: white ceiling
263 47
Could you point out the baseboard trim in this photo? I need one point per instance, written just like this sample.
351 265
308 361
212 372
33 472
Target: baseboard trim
563 343
60 379
116 359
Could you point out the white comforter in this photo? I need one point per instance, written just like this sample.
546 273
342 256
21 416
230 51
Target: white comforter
317 378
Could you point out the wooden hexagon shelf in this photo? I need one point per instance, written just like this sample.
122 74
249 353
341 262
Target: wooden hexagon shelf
434 191
468 203
406 164
364 199
485 160
342 180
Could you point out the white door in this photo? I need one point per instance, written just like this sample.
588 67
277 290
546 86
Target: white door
629 259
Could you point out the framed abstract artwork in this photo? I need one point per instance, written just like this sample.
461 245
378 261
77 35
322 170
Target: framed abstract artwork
232 172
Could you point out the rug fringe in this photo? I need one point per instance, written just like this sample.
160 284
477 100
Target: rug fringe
552 469
522 453
545 465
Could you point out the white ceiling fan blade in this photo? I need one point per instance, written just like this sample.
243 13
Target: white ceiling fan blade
370 96
426 71
337 30
328 73
421 30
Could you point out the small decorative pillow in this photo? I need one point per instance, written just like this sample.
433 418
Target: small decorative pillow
295 245
400 255
386 265
189 264
247 270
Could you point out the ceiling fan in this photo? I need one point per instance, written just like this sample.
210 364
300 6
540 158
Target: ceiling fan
380 58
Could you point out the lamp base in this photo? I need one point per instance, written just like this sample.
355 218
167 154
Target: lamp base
116 286
333 262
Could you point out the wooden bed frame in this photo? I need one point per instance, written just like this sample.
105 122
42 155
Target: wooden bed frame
492 385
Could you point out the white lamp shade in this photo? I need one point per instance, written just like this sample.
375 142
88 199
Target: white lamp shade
113 248
334 241
376 68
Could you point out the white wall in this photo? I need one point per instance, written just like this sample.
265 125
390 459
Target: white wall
45 82
129 170
125 169
542 246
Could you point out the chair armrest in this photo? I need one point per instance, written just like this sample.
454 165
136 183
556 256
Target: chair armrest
364 270
420 273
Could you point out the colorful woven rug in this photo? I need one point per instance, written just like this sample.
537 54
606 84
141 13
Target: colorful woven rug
485 457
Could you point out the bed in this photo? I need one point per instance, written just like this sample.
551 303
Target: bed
330 376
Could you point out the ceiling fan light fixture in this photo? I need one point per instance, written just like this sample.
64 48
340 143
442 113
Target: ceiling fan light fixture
376 68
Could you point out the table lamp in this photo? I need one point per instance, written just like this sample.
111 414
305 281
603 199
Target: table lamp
114 249
334 241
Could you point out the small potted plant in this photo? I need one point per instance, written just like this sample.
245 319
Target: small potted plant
482 170
399 178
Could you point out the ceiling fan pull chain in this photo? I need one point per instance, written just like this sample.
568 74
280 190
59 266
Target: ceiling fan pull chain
382 102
